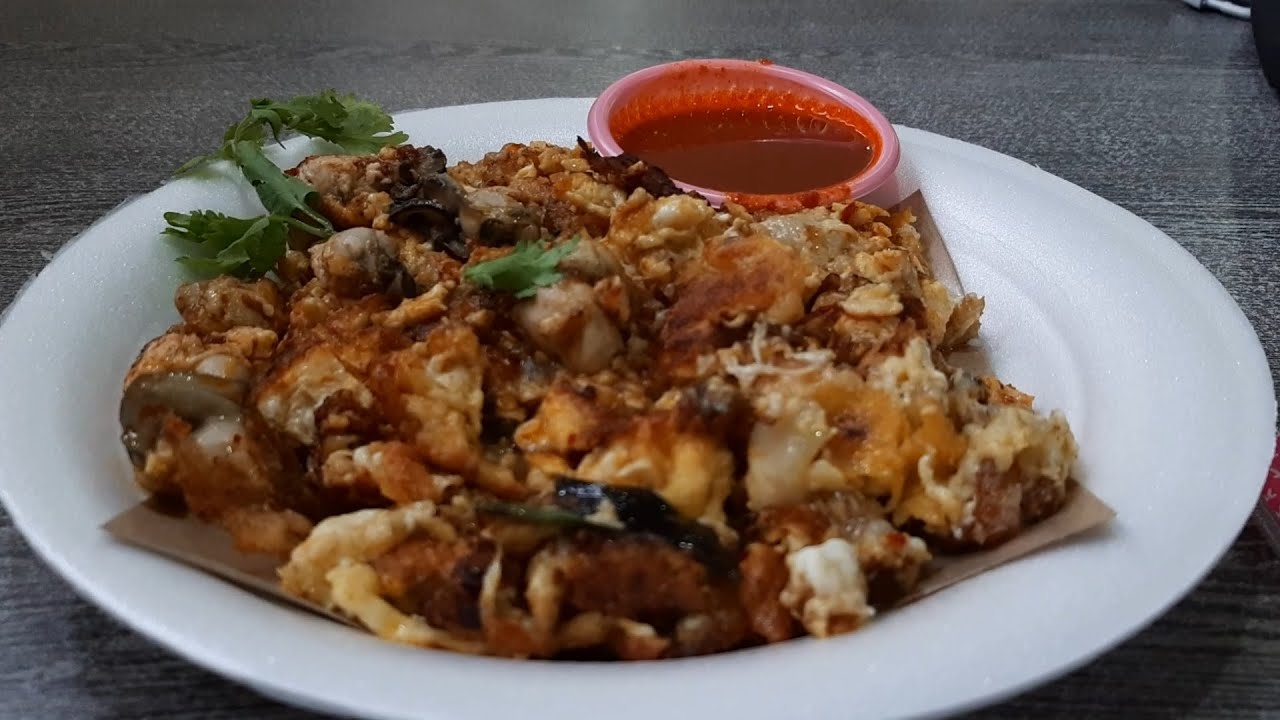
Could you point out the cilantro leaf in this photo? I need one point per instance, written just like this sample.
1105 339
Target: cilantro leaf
280 194
355 125
521 272
251 247
250 129
244 247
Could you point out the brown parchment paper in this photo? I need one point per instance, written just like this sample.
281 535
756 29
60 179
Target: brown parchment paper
1082 511
944 269
210 548
207 547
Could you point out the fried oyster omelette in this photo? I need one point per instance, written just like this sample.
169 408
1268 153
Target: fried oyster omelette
547 405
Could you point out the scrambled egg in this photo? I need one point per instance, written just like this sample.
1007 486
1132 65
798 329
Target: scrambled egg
701 430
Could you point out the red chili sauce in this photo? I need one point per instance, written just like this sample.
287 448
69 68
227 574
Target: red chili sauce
758 151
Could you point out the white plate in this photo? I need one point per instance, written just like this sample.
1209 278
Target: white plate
1088 307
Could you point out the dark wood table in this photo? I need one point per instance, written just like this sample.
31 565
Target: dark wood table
1147 103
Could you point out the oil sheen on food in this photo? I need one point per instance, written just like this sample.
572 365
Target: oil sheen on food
761 151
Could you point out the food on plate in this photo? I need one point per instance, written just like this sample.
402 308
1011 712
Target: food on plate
547 405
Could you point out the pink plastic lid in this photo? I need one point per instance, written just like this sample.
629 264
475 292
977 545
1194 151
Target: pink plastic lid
745 84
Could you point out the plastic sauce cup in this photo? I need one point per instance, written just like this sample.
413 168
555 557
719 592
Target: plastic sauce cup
687 85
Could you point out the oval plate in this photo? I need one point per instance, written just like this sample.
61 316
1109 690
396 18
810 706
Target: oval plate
1088 307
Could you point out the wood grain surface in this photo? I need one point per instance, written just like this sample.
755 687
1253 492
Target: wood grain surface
1146 102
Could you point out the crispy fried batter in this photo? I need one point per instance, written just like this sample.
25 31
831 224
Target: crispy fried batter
353 189
741 280
437 581
237 354
431 394
764 577
777 383
639 578
224 303
671 451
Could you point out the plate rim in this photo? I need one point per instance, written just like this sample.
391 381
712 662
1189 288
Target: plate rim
1174 254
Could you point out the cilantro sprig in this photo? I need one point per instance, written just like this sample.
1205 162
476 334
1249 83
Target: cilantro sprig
282 195
522 271
250 247
357 126
244 247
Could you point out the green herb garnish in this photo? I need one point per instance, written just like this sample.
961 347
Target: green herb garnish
250 247
244 247
521 272
281 194
357 126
